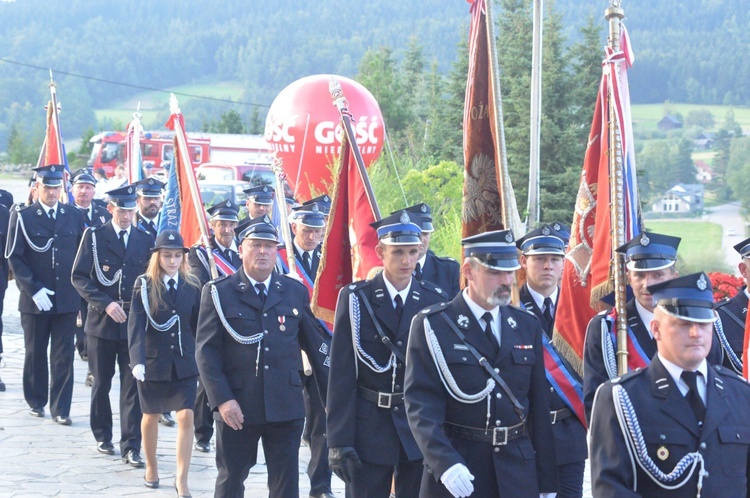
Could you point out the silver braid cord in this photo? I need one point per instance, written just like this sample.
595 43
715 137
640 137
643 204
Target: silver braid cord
253 339
19 221
608 351
354 317
161 327
636 445
99 273
733 359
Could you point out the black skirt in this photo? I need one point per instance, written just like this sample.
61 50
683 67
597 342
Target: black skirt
159 396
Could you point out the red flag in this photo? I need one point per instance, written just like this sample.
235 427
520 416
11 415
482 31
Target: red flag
349 249
483 157
192 217
52 145
586 275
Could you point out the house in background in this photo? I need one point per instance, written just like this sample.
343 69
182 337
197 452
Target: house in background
682 198
704 141
704 173
669 122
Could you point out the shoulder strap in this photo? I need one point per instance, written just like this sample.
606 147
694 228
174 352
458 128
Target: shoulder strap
486 365
733 316
386 340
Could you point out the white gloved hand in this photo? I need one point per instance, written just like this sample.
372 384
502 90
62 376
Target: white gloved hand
547 495
457 480
139 372
42 300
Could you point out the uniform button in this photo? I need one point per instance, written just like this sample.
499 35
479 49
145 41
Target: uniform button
496 450
265 314
499 396
395 408
375 337
398 387
497 370
265 332
525 359
174 311
265 349
171 347
703 446
265 367
662 437
497 423
463 358
399 343
172 334
401 365
738 435
551 389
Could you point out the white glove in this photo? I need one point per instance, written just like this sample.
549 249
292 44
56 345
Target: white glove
139 372
457 480
547 495
42 300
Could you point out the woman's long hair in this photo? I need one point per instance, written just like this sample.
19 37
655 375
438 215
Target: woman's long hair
154 275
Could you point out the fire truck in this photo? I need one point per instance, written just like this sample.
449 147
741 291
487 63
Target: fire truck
157 149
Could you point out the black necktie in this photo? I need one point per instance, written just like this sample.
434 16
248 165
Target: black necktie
306 261
418 272
487 317
151 227
173 289
547 313
261 288
399 307
228 254
692 396
123 233
52 214
88 216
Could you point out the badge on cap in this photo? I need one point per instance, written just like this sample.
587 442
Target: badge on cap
315 208
265 188
545 230
228 203
508 237
52 169
423 208
404 219
556 226
130 190
645 240
701 283
171 237
326 198
662 453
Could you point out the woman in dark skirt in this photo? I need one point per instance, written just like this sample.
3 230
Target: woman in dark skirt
161 339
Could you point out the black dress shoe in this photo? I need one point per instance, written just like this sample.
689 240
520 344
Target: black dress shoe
106 447
37 412
133 458
2 385
63 420
151 484
166 419
202 446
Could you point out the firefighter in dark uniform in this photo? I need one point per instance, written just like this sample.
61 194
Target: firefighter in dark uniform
41 248
6 201
251 328
109 260
149 204
730 327
542 252
224 218
368 436
441 271
679 427
259 201
94 215
476 394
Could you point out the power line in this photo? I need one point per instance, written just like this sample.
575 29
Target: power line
130 85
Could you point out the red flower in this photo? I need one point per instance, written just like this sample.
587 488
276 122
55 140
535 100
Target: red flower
724 285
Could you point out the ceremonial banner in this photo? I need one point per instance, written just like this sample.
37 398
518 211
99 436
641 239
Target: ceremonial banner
133 149
586 275
483 146
348 251
53 150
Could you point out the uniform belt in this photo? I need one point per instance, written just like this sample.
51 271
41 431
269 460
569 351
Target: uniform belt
383 400
125 305
557 415
497 436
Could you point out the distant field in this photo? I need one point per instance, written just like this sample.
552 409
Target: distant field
645 116
700 247
153 103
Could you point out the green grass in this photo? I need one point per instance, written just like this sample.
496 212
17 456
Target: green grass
700 247
646 116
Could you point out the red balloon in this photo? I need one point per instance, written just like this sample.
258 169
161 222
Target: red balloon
304 129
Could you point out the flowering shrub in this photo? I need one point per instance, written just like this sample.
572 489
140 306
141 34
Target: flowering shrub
725 285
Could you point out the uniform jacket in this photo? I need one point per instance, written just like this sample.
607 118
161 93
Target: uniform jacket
112 257
443 272
525 466
594 372
143 223
314 262
160 350
671 430
4 221
570 434
376 433
51 269
734 332
266 384
100 215
199 269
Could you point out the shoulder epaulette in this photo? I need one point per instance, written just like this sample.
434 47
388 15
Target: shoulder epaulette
728 373
357 285
522 308
288 278
19 207
218 279
95 228
723 302
446 258
626 377
429 286
434 308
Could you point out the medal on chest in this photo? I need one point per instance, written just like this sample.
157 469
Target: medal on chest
282 321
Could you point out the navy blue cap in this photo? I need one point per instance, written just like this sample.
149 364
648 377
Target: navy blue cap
123 197
649 251
422 215
398 229
562 230
259 228
743 248
224 210
149 187
260 194
690 297
83 176
51 175
496 249
310 215
323 202
541 240
169 239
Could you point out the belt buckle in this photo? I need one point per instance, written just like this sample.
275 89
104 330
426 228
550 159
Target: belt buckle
554 416
495 430
384 400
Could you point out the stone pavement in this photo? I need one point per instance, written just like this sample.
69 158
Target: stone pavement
41 458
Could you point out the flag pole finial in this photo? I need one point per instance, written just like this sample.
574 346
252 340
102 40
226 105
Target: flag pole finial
174 106
337 93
